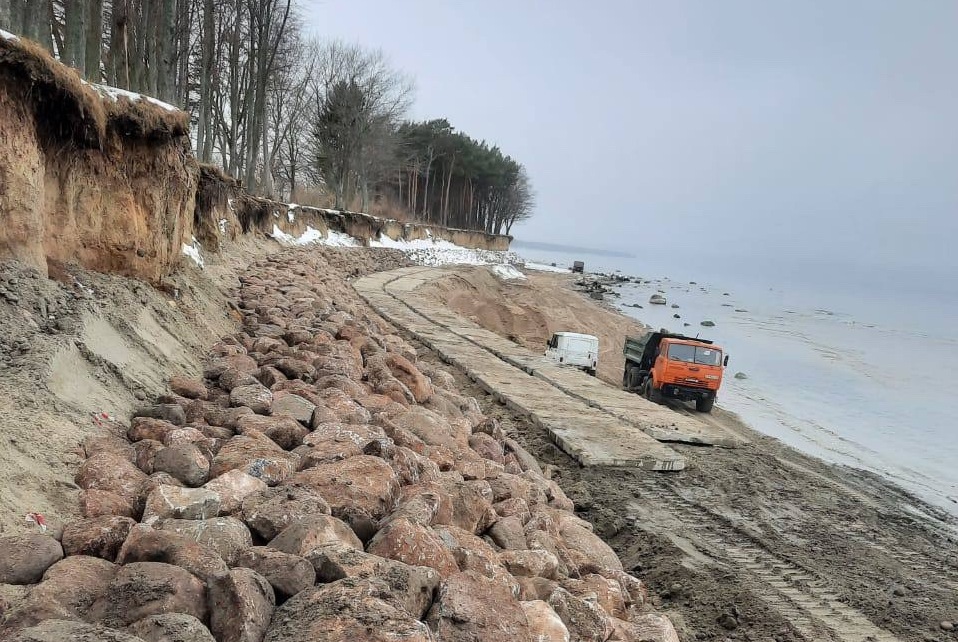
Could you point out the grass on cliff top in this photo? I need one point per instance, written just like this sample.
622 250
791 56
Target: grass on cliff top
68 110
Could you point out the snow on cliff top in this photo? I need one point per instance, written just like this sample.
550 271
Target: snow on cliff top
429 251
6 35
114 94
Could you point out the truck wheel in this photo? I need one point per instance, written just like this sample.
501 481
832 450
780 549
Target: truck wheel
705 405
634 379
626 375
653 395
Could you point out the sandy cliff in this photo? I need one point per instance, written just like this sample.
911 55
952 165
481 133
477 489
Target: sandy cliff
103 180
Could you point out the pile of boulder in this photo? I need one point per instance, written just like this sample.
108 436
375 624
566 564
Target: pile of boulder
319 483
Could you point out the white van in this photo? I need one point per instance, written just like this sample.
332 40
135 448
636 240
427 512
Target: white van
574 349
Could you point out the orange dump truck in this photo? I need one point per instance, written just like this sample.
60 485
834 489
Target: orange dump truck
662 365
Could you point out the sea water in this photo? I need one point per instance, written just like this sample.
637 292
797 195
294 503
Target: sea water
860 370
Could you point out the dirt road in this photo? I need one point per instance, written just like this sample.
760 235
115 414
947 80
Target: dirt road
756 543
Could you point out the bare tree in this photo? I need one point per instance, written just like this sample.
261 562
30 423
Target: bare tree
361 100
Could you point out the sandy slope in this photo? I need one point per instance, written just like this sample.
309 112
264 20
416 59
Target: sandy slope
529 311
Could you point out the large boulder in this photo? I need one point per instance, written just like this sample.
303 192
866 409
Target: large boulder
149 428
225 535
349 609
145 544
470 509
61 630
257 456
98 503
96 536
108 443
232 487
113 473
530 563
67 591
171 627
434 430
651 627
412 467
187 387
142 589
269 512
417 383
584 549
254 396
363 482
585 619
241 606
544 623
414 544
471 607
412 586
301 537
286 404
284 431
185 462
181 503
25 558
607 593
287 574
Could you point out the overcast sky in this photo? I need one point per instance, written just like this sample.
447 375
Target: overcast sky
800 130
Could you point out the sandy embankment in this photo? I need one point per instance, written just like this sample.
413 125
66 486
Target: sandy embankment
529 311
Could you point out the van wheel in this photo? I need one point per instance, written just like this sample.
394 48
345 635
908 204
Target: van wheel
705 405
653 395
590 371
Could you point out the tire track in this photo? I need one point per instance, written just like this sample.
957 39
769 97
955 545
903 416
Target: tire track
798 595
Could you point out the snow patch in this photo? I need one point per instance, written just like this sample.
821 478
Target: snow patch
6 35
114 94
291 213
507 272
313 236
542 267
434 252
339 239
223 226
194 252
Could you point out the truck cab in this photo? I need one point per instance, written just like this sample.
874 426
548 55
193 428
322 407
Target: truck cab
662 365
574 349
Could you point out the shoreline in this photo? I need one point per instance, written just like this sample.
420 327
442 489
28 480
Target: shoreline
854 456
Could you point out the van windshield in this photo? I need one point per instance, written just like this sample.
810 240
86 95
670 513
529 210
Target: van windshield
695 354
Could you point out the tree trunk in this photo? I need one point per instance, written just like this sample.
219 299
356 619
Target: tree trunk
37 22
165 63
234 159
74 43
445 212
203 136
6 16
119 45
94 40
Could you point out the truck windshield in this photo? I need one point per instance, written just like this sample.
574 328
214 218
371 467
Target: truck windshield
695 354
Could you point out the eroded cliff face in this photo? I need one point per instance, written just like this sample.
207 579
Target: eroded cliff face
224 210
108 181
109 184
